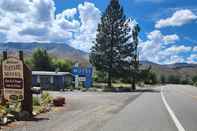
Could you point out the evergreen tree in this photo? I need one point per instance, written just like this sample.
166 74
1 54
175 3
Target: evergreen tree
129 53
107 53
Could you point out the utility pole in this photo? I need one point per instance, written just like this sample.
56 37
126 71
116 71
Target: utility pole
135 33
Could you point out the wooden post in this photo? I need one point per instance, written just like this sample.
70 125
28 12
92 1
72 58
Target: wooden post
1 84
1 78
5 55
21 55
27 101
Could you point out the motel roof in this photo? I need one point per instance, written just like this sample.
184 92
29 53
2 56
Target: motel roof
50 73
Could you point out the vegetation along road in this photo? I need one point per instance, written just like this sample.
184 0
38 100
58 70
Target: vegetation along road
164 108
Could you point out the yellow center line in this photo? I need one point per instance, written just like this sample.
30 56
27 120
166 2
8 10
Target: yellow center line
186 93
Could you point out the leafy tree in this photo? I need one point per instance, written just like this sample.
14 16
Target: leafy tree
163 79
194 79
28 61
186 80
153 78
41 61
112 34
144 74
99 76
62 65
174 79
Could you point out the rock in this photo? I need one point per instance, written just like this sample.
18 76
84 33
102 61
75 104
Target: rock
59 101
3 120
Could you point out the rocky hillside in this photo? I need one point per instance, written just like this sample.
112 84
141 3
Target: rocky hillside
177 69
56 49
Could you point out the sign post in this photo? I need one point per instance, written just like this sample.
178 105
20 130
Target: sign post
84 75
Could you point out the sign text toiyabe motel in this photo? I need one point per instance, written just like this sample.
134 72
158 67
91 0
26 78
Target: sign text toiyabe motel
13 79
16 81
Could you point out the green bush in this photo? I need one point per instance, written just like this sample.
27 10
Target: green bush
174 79
195 84
36 101
46 98
194 80
162 79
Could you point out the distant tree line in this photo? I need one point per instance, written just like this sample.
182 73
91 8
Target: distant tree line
147 76
42 61
175 79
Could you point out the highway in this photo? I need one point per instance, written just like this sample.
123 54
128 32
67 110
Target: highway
166 108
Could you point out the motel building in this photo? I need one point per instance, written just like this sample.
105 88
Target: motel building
52 80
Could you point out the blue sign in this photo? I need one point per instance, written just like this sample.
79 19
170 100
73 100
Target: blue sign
84 72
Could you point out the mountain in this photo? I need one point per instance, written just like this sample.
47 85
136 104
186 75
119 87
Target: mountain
67 52
57 49
177 69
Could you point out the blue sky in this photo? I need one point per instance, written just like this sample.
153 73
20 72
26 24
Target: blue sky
168 27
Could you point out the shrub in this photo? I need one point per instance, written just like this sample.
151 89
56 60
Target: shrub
2 111
195 84
162 79
36 101
174 79
194 80
46 98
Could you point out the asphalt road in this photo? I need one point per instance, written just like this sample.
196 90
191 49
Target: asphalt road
164 108
149 112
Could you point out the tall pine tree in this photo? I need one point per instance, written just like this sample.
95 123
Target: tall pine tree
129 62
107 53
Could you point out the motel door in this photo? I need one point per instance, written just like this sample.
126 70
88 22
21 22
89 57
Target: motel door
45 82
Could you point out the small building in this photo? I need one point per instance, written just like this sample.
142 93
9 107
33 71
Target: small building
52 80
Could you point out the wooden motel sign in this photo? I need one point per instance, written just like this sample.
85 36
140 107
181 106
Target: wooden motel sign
13 79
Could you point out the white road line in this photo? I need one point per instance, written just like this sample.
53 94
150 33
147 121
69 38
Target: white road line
174 118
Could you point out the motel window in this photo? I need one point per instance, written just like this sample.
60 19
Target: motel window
51 80
38 79
63 78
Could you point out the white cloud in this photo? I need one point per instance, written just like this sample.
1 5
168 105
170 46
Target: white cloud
90 17
152 1
178 49
170 38
195 48
179 18
68 13
35 20
15 5
192 58
174 59
156 50
43 10
153 48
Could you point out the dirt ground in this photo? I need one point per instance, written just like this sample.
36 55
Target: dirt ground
84 111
